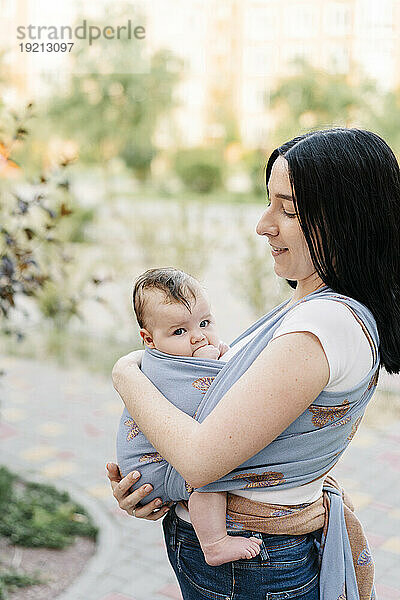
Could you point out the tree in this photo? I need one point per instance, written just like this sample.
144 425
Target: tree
115 99
385 119
316 99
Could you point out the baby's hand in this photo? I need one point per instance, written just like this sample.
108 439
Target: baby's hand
222 348
208 351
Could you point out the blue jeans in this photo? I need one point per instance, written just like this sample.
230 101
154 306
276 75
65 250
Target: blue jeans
285 569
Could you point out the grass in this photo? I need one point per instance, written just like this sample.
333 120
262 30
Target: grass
37 515
11 580
217 197
70 349
34 515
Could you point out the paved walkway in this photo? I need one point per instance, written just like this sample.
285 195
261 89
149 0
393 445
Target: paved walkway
59 427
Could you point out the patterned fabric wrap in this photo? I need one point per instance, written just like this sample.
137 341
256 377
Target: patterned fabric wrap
333 513
184 381
305 451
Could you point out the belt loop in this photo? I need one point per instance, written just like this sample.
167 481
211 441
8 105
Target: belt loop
263 549
174 526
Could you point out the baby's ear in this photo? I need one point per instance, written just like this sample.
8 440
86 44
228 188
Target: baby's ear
147 338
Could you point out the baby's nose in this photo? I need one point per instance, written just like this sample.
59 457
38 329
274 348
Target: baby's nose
197 336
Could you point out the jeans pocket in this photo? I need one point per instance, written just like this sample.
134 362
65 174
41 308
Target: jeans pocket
295 552
214 583
307 591
294 570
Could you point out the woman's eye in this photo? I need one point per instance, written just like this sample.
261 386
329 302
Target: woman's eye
290 215
206 321
178 331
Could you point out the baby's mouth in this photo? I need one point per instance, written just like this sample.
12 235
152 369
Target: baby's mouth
198 348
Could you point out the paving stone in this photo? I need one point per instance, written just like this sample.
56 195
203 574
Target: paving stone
386 592
392 544
171 591
117 596
144 584
69 439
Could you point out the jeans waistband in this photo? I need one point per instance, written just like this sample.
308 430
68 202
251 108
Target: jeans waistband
180 529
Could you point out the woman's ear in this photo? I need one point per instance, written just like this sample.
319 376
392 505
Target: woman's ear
147 338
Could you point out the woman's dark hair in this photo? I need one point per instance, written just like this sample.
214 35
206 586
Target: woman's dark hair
346 190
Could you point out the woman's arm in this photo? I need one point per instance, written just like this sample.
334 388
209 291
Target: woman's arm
282 382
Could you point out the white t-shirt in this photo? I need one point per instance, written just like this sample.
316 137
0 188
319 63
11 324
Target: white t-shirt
349 357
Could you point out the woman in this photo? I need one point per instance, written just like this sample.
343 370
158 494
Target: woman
332 224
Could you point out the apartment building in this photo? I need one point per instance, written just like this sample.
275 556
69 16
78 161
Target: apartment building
235 52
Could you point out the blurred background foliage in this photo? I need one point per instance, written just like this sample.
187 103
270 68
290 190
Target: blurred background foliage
90 198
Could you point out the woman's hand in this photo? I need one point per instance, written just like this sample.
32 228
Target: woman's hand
125 365
128 502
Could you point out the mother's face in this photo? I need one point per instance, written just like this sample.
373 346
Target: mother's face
280 225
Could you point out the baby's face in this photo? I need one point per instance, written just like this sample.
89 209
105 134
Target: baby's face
174 330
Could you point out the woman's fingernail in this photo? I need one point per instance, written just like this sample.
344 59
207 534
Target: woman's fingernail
135 474
147 488
158 502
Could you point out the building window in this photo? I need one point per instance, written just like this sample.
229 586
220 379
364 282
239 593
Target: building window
260 23
7 9
337 59
379 62
376 17
259 60
337 19
297 51
300 20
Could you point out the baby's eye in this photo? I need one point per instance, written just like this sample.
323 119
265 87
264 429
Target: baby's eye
206 321
178 331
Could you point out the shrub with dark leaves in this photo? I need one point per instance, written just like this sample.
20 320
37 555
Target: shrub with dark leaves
31 210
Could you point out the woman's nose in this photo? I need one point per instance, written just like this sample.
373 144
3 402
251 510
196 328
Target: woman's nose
266 226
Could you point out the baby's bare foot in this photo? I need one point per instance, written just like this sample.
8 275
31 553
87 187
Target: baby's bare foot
231 548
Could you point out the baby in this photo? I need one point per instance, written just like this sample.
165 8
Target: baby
174 317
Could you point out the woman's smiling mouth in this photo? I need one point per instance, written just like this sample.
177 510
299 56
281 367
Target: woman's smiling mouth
276 251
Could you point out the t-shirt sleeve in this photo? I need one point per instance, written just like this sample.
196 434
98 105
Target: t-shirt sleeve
346 347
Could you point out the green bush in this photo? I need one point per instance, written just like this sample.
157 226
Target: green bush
138 158
10 580
33 211
200 169
34 515
74 229
6 485
254 163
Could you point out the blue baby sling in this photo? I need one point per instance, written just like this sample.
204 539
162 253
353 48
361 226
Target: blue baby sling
305 451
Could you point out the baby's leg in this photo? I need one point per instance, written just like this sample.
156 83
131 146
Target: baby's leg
208 513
